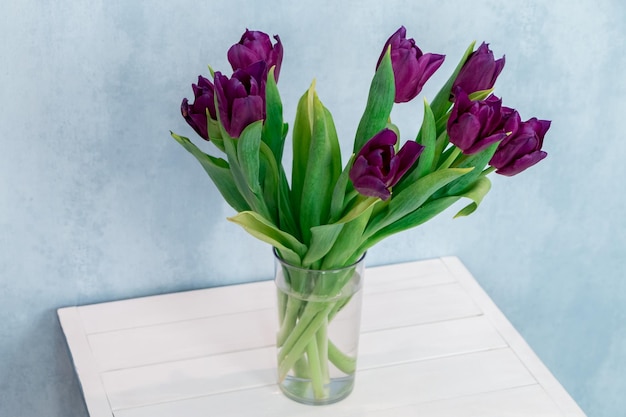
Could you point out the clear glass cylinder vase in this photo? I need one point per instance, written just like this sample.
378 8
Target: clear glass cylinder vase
319 313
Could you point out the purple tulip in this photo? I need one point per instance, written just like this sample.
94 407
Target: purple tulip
241 99
411 68
196 114
474 125
479 72
377 167
253 47
521 149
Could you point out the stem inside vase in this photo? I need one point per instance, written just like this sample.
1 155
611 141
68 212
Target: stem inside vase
319 313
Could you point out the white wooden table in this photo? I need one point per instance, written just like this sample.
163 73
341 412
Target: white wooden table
432 344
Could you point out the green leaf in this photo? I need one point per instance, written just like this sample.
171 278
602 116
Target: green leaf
477 162
286 219
322 240
323 237
333 143
412 197
323 167
273 133
254 198
476 193
440 144
358 206
269 174
441 103
379 103
219 172
248 146
290 248
427 138
480 95
301 144
431 209
339 192
424 213
343 252
215 134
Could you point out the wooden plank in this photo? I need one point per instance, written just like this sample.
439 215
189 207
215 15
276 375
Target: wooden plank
406 275
419 305
414 383
173 381
556 391
427 341
168 342
94 392
432 343
526 401
170 308
183 340
189 305
448 377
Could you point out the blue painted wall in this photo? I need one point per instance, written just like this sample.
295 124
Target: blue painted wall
98 203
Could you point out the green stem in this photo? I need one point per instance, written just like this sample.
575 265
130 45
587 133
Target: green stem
302 369
288 322
304 327
283 301
317 379
321 337
312 329
312 319
343 362
453 155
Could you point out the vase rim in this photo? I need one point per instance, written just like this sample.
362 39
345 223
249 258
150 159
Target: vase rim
290 265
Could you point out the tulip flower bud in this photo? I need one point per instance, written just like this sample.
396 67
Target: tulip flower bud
521 149
411 68
479 72
377 167
253 47
474 125
241 99
196 114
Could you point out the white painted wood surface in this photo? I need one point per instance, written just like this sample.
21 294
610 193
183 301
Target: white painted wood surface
432 344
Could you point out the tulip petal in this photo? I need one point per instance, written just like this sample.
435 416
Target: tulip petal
254 47
522 149
372 187
522 164
484 143
377 167
276 58
221 82
479 72
433 62
464 132
246 110
406 157
411 67
386 137
359 168
240 56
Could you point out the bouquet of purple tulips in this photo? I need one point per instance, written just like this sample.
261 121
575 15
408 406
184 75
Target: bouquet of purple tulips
328 214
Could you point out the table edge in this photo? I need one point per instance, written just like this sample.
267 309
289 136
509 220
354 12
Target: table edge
518 344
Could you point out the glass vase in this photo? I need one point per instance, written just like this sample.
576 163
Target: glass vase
319 313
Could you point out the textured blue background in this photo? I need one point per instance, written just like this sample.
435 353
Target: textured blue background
98 203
